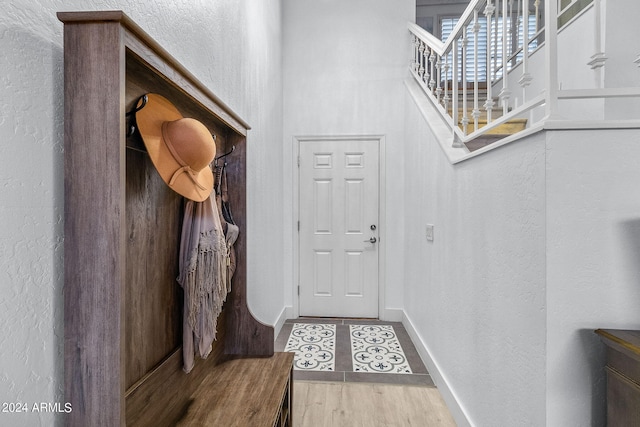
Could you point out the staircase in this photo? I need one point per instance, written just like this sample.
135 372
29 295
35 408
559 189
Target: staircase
512 48
496 134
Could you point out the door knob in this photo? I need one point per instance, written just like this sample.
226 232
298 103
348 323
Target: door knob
371 240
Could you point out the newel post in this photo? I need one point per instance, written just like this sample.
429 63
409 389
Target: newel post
551 57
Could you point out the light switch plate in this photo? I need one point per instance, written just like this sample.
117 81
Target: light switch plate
430 232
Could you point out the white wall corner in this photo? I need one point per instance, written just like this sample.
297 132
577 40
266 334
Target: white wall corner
447 393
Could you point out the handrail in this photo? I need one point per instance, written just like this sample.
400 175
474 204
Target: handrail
464 19
617 92
449 71
427 37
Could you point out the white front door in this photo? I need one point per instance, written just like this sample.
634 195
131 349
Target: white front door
339 192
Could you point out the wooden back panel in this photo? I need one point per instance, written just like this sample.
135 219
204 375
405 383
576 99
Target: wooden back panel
153 308
153 301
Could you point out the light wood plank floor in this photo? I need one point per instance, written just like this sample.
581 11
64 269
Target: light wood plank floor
333 404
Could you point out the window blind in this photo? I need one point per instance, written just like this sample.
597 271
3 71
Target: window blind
448 24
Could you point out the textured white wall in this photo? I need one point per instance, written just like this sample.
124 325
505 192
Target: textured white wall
343 68
593 259
476 294
620 69
233 47
31 234
536 246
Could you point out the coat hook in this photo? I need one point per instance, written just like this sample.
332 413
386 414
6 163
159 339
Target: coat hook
233 147
139 105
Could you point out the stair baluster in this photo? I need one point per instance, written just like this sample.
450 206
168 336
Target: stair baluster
476 30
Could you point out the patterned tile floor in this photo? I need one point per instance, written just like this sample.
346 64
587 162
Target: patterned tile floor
314 345
352 350
375 348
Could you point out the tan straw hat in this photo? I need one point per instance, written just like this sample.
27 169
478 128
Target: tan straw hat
180 148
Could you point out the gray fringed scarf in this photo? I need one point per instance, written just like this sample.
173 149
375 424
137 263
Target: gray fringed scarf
231 235
203 276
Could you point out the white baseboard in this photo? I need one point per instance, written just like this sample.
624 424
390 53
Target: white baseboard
392 315
449 396
284 315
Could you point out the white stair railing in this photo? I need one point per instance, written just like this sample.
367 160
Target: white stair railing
463 82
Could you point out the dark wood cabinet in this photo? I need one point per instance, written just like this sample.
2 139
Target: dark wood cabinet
623 376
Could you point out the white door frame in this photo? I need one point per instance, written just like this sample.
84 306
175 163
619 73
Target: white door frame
382 236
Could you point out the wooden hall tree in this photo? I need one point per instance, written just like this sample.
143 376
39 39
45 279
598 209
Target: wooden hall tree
123 306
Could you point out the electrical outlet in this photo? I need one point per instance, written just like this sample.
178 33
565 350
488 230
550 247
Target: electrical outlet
430 232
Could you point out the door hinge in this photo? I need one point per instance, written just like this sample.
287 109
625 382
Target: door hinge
298 161
298 290
298 225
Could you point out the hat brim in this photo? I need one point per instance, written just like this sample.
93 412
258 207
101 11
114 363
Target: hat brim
149 121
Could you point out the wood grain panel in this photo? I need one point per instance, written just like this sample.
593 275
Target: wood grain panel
94 176
141 79
623 399
153 296
359 404
164 395
155 56
623 376
241 391
245 334
176 73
